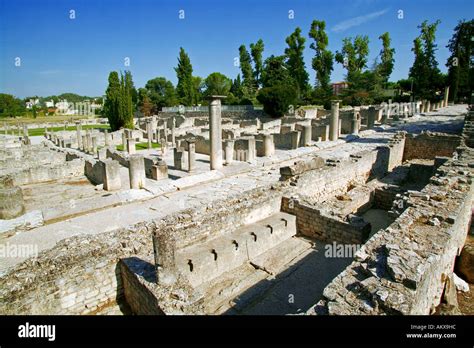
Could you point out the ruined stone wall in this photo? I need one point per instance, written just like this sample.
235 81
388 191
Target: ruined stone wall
47 173
94 170
313 223
139 298
397 148
79 275
429 145
384 197
402 269
13 160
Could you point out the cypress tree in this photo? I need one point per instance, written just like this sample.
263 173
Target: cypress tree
186 86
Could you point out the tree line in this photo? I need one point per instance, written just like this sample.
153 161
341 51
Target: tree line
283 80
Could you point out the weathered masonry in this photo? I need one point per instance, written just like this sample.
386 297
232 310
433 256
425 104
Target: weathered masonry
407 200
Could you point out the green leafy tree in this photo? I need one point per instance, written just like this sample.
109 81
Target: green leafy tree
425 73
295 61
112 101
184 71
256 50
161 93
10 106
353 56
277 99
130 93
461 62
217 84
198 87
236 88
385 67
145 105
322 62
279 88
276 72
118 105
248 80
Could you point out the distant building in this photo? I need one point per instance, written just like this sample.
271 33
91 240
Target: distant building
49 104
64 108
338 87
31 103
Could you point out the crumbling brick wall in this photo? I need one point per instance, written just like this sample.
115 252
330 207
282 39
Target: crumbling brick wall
313 223
429 145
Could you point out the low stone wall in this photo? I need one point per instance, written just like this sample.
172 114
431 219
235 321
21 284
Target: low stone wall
314 223
429 145
94 170
44 173
135 273
119 156
80 275
287 141
384 196
16 159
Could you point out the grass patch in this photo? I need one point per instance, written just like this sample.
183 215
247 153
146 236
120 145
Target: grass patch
140 146
40 131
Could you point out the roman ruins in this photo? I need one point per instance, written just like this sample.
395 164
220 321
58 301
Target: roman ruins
233 212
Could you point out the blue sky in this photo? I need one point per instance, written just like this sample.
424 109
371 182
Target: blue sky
59 54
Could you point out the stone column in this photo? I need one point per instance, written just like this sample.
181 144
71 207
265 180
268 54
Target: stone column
428 106
191 154
295 139
89 141
334 121
165 133
307 130
136 171
355 123
252 149
131 146
106 138
149 132
158 136
12 203
164 146
215 131
268 145
173 134
178 158
124 140
111 175
159 171
94 145
371 117
446 96
229 151
84 143
78 134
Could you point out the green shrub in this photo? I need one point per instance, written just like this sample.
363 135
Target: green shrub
277 99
